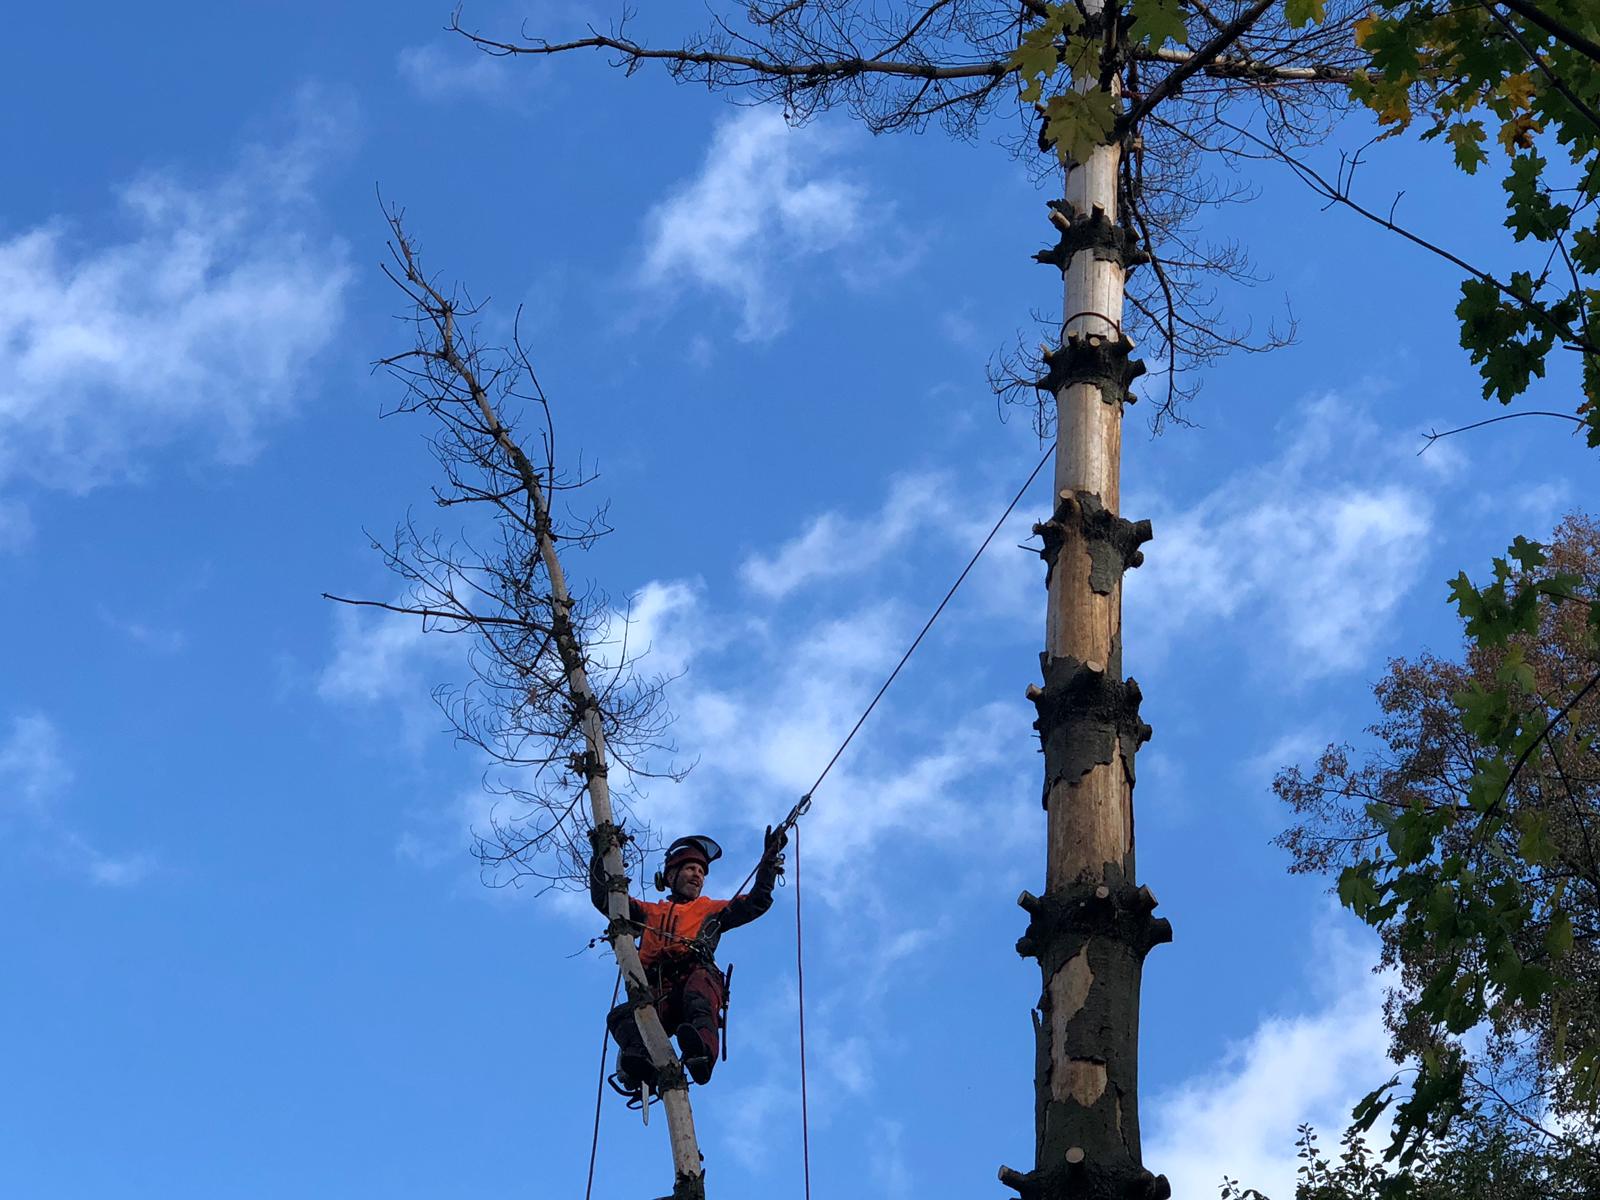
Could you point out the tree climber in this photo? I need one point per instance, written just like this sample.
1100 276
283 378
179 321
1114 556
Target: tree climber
677 947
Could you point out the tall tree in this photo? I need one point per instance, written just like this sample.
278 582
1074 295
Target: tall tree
1106 92
1469 837
1480 1158
1471 833
564 714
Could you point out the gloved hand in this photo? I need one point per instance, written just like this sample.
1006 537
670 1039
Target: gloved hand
772 845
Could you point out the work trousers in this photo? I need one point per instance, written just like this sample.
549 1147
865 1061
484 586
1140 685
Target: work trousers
687 996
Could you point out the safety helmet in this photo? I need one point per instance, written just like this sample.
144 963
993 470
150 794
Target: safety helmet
694 848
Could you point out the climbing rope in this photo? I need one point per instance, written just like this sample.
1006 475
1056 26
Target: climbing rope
800 980
803 806
600 1087
805 801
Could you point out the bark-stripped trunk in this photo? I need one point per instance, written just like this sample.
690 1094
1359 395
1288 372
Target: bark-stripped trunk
672 1083
1093 926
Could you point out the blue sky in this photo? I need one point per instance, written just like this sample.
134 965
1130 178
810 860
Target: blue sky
247 951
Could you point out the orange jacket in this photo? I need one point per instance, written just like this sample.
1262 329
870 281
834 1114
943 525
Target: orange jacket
670 925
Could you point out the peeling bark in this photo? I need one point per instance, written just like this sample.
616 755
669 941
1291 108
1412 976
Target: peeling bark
1093 926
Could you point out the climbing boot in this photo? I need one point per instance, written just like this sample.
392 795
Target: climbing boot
697 1057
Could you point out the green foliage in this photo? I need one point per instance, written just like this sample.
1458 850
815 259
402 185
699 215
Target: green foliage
1460 886
1467 137
1469 839
1461 72
1157 22
1479 1161
1080 121
1301 13
1045 58
1062 45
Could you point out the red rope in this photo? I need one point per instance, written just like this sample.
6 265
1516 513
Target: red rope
800 975
600 1089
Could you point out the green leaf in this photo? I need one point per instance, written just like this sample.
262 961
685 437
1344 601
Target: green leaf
1530 554
1370 1107
1533 841
1035 54
1357 892
1080 54
1468 137
1514 670
1078 122
1488 785
1558 938
1300 13
1561 586
1584 1074
1157 22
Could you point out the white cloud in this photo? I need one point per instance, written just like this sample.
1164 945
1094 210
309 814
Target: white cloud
442 834
193 326
1165 793
960 328
1447 460
761 733
890 1165
658 629
1238 1117
766 692
761 203
764 698
751 1113
378 656
1542 503
33 767
119 872
16 526
834 545
1291 746
34 776
1310 553
1008 583
151 637
438 71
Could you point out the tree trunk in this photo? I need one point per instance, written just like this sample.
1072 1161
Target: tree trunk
1093 926
672 1083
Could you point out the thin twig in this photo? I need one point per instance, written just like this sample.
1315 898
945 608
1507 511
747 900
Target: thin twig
1433 437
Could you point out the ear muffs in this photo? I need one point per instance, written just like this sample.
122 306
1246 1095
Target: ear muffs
661 881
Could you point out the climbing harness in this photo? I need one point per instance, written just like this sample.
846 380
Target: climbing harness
791 823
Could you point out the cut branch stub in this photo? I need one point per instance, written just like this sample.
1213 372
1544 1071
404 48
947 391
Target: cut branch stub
1091 940
1096 232
1063 921
1087 718
606 834
1085 1180
688 1187
1112 542
1092 358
